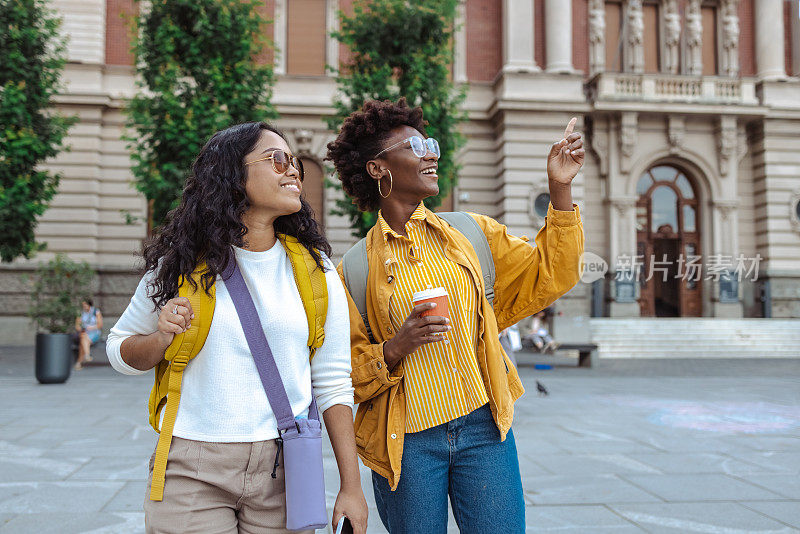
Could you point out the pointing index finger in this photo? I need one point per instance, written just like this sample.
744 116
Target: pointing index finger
570 127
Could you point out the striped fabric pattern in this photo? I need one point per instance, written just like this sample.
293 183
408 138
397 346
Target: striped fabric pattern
442 380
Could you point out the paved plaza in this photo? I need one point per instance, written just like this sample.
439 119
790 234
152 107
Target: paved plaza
709 446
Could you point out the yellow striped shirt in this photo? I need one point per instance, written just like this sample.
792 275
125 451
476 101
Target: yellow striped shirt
442 380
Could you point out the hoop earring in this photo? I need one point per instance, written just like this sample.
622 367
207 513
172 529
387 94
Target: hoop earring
391 184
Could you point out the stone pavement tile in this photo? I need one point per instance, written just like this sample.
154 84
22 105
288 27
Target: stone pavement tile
128 499
107 448
11 432
113 469
785 485
785 511
684 463
528 466
770 443
79 432
27 498
779 462
9 416
596 489
711 518
600 446
700 487
593 464
576 520
691 443
35 469
535 445
75 523
5 518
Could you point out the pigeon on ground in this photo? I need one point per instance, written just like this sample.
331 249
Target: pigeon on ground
541 389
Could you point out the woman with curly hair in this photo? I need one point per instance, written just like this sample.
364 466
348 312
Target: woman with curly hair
241 201
436 394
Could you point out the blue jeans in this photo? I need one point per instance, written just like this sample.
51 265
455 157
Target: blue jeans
465 459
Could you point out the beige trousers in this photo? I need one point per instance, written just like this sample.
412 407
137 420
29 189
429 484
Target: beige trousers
219 488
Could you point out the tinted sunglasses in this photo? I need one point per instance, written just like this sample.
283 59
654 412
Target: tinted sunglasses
419 145
281 160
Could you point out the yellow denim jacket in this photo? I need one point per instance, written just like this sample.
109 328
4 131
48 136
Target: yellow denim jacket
528 279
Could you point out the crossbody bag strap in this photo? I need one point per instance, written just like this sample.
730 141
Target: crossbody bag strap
260 349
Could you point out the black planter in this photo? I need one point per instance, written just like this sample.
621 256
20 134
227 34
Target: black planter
53 358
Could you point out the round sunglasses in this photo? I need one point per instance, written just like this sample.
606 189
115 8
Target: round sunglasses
419 145
281 160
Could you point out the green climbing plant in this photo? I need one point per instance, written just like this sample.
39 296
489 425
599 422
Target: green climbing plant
197 62
400 48
32 57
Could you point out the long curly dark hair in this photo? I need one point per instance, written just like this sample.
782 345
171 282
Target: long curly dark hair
208 220
361 137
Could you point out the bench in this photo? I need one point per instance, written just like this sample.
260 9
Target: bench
587 352
579 333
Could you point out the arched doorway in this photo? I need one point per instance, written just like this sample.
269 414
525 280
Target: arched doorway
314 188
668 240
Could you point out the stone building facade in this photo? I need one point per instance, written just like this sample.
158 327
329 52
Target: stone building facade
691 110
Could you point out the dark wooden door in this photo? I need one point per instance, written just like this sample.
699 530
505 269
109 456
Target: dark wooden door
668 244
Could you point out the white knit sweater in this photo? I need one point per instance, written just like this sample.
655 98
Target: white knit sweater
222 398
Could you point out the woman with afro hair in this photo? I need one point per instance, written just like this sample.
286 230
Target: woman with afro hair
436 394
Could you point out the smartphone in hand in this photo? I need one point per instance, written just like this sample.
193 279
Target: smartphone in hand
344 526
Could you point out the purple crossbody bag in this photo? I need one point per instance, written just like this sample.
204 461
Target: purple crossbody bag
300 439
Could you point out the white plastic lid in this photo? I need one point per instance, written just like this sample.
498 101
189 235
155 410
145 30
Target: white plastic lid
429 293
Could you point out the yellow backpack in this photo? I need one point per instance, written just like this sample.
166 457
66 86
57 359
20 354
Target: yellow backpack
166 392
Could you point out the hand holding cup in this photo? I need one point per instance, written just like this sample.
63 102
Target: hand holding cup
428 322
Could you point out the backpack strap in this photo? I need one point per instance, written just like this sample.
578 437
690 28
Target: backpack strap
166 393
355 267
467 225
313 288
355 263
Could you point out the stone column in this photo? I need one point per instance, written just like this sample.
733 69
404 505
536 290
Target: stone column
558 35
460 47
518 36
795 38
331 44
770 57
279 20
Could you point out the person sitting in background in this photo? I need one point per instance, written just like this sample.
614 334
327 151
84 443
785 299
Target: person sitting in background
538 335
88 327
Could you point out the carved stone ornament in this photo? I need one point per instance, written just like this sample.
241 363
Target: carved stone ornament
794 210
597 36
694 38
634 39
303 138
726 208
676 129
623 205
729 58
627 139
727 141
598 139
672 37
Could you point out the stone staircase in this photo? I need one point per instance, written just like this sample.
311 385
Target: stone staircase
696 338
